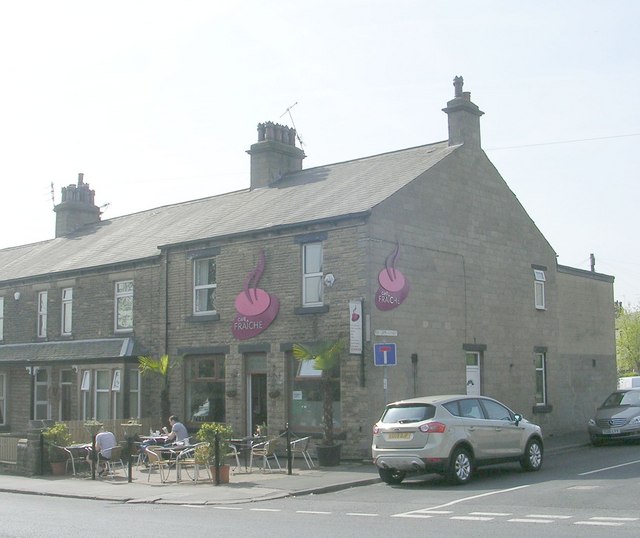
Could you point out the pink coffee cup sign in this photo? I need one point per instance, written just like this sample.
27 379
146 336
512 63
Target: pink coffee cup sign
394 286
256 308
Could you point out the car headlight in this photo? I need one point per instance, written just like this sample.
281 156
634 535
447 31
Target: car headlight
635 420
592 422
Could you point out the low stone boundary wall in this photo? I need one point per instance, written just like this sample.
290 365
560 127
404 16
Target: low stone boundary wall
21 453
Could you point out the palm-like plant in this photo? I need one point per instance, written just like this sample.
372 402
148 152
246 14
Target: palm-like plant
325 357
161 367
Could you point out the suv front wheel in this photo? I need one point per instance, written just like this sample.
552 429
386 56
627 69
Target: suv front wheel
532 458
391 476
460 466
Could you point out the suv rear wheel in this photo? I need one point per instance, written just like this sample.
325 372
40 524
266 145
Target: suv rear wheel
391 476
532 458
461 466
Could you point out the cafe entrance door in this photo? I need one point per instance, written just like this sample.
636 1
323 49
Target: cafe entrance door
256 372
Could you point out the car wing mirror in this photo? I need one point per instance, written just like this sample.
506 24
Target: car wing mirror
517 418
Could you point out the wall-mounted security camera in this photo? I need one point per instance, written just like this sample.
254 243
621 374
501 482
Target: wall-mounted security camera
329 279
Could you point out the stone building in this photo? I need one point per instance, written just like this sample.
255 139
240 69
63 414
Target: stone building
421 257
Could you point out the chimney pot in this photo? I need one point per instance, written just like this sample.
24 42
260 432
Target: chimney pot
274 155
76 208
464 117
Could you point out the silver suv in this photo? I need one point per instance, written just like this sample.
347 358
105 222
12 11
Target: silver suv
452 435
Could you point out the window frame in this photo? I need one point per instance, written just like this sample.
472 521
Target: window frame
307 404
540 363
85 391
538 289
38 385
65 402
193 378
66 312
104 392
43 299
1 318
120 298
134 392
308 276
3 399
204 287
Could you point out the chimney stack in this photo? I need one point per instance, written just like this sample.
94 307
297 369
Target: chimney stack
464 117
274 155
76 208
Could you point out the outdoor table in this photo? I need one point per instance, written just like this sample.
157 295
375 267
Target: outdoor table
171 453
244 445
156 439
79 452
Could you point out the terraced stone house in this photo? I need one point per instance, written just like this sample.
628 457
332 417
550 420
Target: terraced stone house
423 259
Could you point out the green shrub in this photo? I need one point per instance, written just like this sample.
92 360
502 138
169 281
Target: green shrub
57 435
207 434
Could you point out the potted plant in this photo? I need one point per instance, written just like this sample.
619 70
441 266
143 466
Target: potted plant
206 454
57 436
325 357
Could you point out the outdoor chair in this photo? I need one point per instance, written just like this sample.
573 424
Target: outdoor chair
264 451
301 446
233 453
67 454
186 461
155 459
113 461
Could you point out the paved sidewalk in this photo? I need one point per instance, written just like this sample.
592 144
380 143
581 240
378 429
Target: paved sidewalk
243 487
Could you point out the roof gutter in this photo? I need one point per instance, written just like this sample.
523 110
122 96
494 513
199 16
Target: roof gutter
277 228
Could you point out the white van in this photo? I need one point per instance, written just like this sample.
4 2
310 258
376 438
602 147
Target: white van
629 382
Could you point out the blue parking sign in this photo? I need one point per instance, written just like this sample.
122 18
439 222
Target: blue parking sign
384 354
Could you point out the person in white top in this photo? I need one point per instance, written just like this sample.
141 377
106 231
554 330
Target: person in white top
105 441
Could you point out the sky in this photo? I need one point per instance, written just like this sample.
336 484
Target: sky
156 102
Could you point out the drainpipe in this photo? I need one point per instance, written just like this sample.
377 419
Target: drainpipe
166 302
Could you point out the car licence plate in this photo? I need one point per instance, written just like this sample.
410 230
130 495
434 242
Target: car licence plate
398 436
611 431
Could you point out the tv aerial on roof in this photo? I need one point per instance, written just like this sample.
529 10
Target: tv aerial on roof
288 111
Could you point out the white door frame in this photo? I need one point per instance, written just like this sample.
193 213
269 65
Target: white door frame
473 372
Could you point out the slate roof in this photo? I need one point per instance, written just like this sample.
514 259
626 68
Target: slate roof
324 192
68 351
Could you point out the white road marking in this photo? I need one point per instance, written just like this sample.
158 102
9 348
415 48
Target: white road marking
413 514
228 507
312 512
615 518
434 509
522 520
472 518
265 509
494 514
599 523
362 514
609 468
548 516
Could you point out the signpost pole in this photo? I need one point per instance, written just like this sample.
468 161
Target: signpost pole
386 398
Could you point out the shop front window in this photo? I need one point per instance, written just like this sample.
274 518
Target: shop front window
206 388
307 397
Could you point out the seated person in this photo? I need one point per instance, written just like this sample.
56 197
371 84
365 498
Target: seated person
178 433
105 441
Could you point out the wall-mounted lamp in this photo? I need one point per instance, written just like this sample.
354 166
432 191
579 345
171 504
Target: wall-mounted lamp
16 295
329 279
